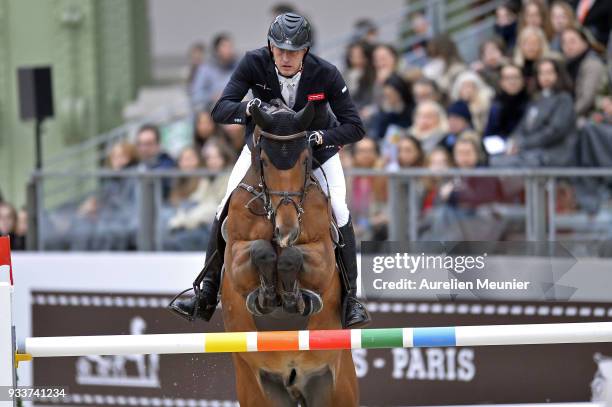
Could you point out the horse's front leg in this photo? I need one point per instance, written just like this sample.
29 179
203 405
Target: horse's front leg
309 263
253 274
290 262
264 299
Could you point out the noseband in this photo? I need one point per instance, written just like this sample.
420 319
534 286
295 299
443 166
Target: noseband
263 193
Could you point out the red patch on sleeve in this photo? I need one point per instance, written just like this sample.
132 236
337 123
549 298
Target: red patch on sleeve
316 96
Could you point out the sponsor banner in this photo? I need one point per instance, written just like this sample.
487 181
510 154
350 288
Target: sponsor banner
389 377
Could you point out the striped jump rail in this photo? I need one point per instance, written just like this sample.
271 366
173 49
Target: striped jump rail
269 341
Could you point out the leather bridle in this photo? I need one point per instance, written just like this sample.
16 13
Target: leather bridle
263 193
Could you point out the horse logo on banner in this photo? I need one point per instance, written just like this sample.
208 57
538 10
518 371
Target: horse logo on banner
117 370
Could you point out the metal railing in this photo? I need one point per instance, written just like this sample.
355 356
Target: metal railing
404 207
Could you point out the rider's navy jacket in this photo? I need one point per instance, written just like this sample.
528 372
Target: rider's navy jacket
320 81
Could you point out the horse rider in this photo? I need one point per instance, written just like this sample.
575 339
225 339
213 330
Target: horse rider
285 69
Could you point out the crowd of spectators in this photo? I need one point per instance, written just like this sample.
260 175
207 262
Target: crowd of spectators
108 218
538 95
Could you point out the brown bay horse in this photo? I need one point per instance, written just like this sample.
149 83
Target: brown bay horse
280 270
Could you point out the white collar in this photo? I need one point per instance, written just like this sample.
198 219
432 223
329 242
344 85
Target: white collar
293 80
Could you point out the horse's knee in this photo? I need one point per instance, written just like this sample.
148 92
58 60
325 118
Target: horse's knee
291 259
262 253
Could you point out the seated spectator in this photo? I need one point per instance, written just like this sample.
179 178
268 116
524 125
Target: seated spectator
194 200
429 125
561 17
409 154
594 149
396 108
385 61
470 192
459 121
470 88
121 156
368 194
359 73
438 160
506 24
150 154
206 130
509 106
532 46
8 226
444 62
535 14
491 61
459 214
211 77
545 135
107 219
594 146
467 151
425 89
585 68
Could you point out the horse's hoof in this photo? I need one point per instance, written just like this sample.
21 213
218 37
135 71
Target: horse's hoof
293 303
255 307
313 303
267 299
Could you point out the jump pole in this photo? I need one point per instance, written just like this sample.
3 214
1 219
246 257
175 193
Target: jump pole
220 342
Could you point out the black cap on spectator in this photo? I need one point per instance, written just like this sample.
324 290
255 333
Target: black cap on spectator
461 109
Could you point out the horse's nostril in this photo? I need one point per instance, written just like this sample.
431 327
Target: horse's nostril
277 231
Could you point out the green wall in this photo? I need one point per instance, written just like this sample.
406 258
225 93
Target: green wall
99 53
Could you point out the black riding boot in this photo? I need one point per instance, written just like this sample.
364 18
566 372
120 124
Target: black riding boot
203 302
354 313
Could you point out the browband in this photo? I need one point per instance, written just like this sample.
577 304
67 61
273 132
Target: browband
289 137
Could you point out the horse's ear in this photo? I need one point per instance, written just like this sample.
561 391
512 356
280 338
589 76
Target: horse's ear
305 116
261 118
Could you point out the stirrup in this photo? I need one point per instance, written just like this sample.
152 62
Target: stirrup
197 313
177 311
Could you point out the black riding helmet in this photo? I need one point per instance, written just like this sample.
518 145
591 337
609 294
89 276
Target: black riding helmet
289 31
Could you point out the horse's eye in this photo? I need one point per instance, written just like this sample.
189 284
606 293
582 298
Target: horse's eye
264 162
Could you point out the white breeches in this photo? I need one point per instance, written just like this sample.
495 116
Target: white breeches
333 172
